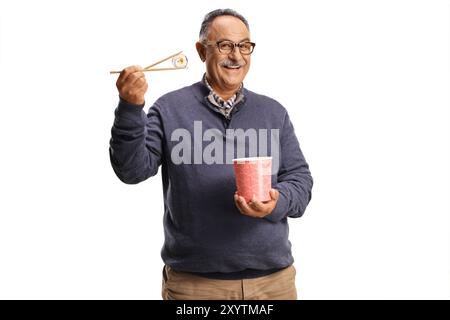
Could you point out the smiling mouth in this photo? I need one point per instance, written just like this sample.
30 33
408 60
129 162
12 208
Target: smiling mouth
232 67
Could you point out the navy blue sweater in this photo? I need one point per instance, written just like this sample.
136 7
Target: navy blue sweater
204 231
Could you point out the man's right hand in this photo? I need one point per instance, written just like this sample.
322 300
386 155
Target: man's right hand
132 85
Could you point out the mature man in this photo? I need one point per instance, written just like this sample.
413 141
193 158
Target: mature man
217 245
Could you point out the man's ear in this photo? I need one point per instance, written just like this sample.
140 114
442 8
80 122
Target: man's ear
201 51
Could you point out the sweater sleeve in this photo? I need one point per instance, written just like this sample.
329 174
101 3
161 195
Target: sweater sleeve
294 181
135 148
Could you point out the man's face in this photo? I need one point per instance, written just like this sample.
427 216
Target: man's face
225 72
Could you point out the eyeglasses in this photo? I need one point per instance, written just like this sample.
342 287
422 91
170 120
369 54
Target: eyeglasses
227 46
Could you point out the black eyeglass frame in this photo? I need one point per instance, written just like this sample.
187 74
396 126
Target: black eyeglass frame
217 44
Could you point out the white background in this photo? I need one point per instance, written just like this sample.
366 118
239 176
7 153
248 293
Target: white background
366 84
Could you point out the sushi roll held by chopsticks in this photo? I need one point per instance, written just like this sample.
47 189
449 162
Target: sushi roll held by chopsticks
179 61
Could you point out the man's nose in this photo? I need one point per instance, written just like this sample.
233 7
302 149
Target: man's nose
236 54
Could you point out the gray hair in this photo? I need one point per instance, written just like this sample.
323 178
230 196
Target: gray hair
209 17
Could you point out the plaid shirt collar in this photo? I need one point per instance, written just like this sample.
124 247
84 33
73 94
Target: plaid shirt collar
215 99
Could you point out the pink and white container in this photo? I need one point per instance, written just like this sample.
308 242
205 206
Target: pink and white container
253 177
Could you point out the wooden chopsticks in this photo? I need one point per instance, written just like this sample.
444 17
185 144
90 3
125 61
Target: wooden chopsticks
149 68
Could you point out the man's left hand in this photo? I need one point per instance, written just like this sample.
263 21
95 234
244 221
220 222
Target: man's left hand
256 208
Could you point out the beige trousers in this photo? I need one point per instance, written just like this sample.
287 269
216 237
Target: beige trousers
185 286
